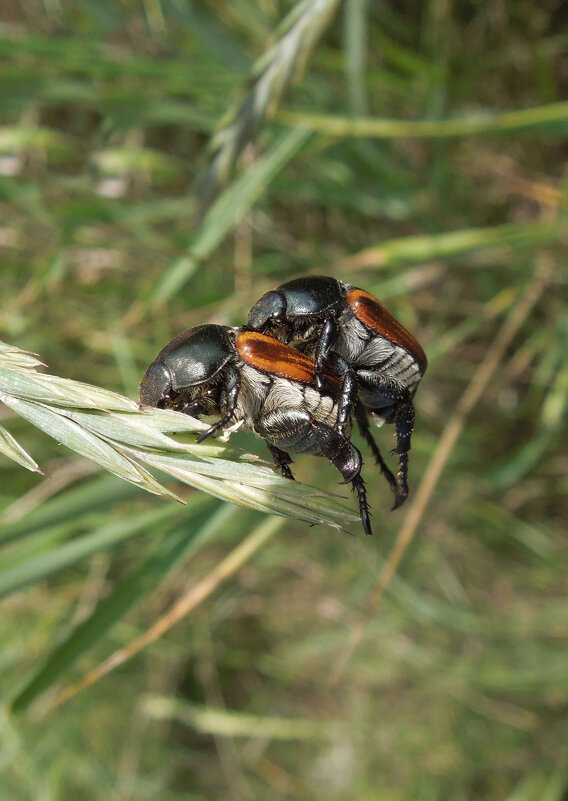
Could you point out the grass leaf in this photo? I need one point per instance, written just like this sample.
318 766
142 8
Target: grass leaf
11 448
176 545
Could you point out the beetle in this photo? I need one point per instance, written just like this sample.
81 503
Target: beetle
348 330
246 376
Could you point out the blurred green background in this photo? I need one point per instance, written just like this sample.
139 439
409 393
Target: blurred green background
124 221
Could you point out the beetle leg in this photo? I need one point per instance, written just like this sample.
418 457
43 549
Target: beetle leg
296 431
347 399
364 428
193 408
325 342
349 389
231 392
359 486
281 460
345 457
404 422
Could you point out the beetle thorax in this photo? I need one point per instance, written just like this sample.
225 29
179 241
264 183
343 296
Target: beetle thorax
307 329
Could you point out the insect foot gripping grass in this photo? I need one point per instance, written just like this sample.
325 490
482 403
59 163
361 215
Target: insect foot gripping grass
248 378
111 430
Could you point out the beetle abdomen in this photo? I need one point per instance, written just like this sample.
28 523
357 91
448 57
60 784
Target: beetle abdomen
393 362
377 318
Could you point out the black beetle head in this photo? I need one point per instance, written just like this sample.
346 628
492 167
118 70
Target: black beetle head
156 384
312 296
268 312
191 359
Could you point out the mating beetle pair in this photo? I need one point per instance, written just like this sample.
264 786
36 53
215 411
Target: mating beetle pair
352 357
269 386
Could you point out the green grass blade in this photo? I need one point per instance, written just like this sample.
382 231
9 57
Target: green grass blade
176 545
238 724
552 117
355 28
37 568
278 67
11 448
256 487
422 248
61 391
225 213
81 441
97 495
